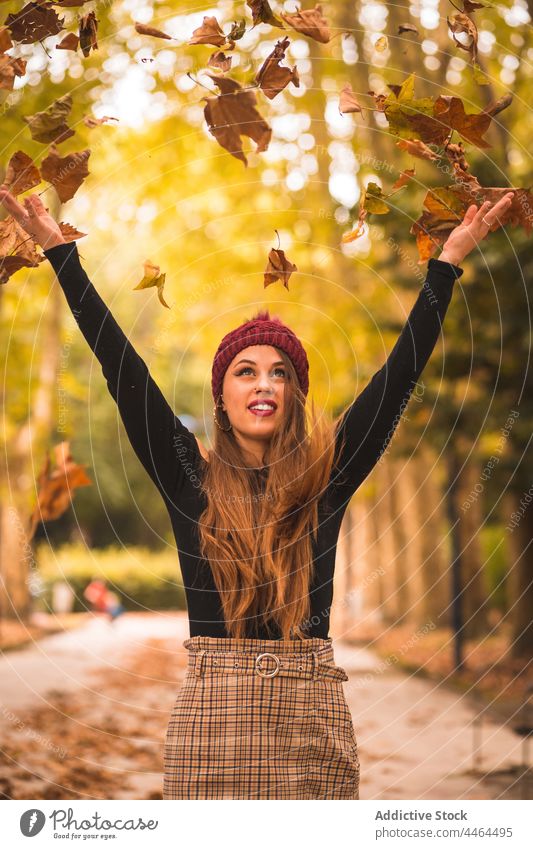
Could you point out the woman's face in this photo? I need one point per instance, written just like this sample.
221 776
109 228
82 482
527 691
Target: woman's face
256 375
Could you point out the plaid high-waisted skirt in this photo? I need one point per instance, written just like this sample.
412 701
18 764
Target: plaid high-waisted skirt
261 719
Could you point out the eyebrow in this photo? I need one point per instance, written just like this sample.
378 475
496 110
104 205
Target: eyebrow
277 363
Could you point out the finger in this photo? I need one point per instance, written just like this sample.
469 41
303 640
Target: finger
480 214
469 214
492 213
12 205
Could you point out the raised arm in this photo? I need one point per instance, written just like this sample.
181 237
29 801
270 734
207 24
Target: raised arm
161 441
165 447
368 424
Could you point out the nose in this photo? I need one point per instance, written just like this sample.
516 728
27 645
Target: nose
264 383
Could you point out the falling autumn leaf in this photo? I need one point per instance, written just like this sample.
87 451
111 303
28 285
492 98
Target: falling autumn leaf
66 173
50 125
9 69
142 29
499 105
34 22
153 277
17 249
463 24
347 101
445 206
92 122
263 14
417 148
70 42
404 178
278 268
208 33
236 33
88 29
233 114
407 28
69 232
310 22
381 44
5 39
21 173
273 77
219 60
56 488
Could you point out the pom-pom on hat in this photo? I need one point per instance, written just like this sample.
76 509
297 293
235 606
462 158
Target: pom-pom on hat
261 329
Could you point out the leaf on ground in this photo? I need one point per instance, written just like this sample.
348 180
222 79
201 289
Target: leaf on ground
153 277
310 22
56 488
219 60
278 268
70 42
273 77
142 29
9 69
233 114
21 173
88 31
263 14
347 101
50 124
208 33
34 22
66 173
417 148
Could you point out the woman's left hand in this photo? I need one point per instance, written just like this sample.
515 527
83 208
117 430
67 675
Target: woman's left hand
475 226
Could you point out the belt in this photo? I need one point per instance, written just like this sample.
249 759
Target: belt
265 664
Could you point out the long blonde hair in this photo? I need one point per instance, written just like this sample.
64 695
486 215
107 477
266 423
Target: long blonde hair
257 533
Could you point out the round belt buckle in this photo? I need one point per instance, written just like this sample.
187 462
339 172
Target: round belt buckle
260 671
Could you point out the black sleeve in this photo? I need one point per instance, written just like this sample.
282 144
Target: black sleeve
368 424
165 447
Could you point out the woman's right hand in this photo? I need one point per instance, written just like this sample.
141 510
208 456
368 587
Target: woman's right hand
33 218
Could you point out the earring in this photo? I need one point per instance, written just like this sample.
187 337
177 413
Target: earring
216 420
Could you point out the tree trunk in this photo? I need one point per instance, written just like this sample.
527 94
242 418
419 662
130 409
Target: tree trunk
519 517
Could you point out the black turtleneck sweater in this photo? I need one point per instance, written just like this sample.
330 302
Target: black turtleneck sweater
170 454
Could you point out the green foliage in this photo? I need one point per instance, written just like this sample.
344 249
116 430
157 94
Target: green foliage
143 580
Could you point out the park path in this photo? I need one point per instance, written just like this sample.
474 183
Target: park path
83 714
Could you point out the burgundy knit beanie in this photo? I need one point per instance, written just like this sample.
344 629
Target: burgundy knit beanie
261 329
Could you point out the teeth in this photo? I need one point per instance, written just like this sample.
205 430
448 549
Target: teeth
262 407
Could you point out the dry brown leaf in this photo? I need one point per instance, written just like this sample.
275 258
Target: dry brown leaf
263 14
142 29
56 488
50 124
208 33
219 60
404 178
233 114
278 268
34 22
463 24
21 173
66 173
88 30
407 28
69 232
273 77
310 22
5 39
9 69
347 101
417 148
381 44
70 42
92 122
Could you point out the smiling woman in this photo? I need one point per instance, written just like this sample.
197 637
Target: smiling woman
262 713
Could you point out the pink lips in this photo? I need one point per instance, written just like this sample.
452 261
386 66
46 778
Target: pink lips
263 413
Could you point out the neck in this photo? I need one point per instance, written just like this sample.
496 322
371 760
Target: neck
253 450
